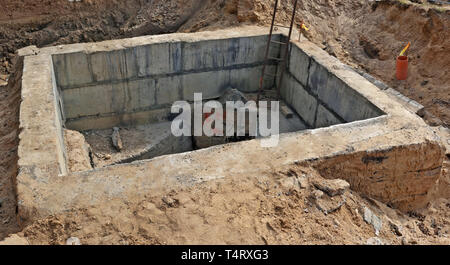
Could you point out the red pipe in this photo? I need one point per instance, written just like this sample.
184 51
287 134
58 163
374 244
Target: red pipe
402 68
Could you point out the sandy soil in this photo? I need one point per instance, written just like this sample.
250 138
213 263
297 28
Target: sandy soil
9 131
361 33
268 209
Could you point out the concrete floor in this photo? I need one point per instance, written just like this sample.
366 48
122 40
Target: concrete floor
156 139
139 143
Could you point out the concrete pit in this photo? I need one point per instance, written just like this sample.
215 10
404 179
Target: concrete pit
342 125
135 87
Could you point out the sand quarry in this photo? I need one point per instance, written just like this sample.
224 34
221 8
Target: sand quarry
86 149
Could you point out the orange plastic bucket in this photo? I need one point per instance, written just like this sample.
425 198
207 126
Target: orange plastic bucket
402 68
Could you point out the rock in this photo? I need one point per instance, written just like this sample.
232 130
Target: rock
170 201
330 205
327 204
332 187
413 242
374 241
73 241
372 219
404 241
233 95
286 111
116 140
4 77
1 202
317 194
336 223
290 183
397 229
303 182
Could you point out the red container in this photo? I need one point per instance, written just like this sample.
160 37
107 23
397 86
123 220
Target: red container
402 68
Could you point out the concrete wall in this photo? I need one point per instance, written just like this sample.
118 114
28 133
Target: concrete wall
99 89
318 96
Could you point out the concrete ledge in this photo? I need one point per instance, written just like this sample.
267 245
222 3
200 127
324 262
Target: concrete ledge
410 104
40 124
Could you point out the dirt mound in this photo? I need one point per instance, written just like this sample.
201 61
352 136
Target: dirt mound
390 28
285 207
48 22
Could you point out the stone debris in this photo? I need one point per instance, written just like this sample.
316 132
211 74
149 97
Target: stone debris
327 204
286 111
116 140
296 183
102 156
397 229
330 205
230 95
233 95
290 183
317 194
3 80
303 182
332 187
73 241
374 241
372 219
170 201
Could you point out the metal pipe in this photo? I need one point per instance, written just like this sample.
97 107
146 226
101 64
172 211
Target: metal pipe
261 80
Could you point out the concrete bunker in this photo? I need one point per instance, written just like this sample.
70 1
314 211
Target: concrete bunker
351 129
134 88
